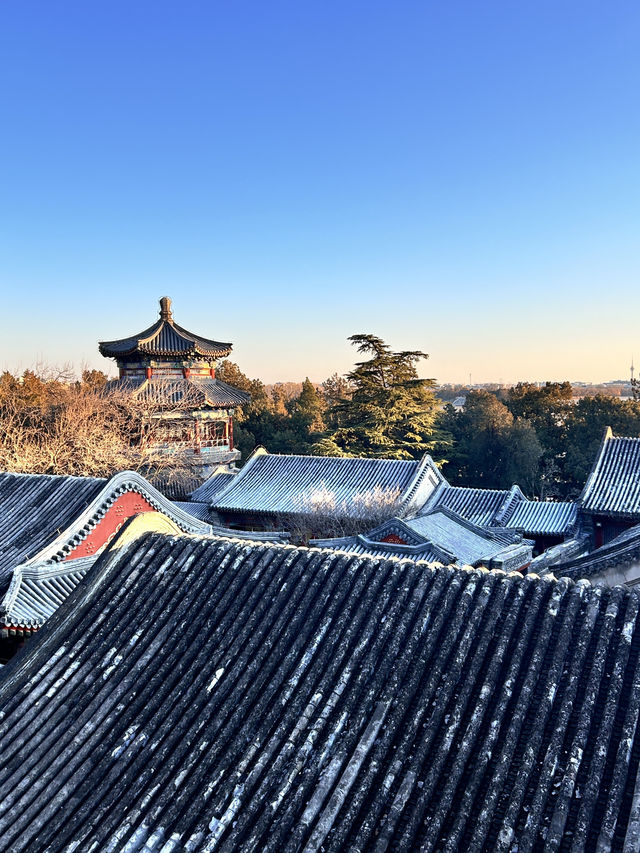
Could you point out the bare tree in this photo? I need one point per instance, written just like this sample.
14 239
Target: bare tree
324 515
51 424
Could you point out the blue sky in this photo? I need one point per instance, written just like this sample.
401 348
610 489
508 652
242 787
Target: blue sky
460 177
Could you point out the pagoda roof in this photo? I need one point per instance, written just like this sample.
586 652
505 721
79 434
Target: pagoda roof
165 338
195 391
197 694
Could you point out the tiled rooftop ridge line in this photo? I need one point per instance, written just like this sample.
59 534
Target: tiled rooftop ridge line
613 485
93 498
595 471
264 676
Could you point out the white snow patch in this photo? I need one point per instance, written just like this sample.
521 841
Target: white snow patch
127 737
216 678
179 778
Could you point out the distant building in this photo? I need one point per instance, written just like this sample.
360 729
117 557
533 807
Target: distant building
176 371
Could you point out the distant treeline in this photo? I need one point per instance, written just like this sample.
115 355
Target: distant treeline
543 438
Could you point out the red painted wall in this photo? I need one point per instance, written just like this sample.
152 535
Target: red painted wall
131 503
394 539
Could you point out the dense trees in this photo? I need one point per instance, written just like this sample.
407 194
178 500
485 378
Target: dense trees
538 437
487 447
381 408
390 411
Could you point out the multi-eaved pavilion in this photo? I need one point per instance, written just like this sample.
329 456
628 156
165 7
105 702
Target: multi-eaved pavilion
175 370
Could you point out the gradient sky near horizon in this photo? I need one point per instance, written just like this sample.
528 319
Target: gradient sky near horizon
461 178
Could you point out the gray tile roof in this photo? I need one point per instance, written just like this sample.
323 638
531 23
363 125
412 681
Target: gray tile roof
613 486
37 591
470 543
544 518
197 510
165 338
336 486
196 694
439 536
619 552
44 516
197 391
558 554
212 486
486 507
34 509
366 547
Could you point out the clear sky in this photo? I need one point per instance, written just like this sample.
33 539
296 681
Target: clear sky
460 177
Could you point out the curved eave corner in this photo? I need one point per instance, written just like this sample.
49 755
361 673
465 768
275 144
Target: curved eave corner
119 484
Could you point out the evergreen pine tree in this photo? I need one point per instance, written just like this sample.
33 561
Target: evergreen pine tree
391 410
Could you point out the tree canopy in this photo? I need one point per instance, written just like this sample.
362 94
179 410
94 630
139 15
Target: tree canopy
487 447
390 411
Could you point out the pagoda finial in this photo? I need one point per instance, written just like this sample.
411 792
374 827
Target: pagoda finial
165 309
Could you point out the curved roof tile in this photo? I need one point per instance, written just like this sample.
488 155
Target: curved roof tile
327 485
613 486
544 518
200 694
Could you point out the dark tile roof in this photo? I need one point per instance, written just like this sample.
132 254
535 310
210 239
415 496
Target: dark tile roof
486 507
35 509
620 552
197 694
324 485
366 547
165 338
613 486
44 516
544 518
